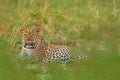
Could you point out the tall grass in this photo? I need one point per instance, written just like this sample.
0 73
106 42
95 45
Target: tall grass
90 25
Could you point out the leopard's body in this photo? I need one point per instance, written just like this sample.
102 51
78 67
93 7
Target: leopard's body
34 45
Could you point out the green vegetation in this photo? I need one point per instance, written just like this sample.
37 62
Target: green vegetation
91 25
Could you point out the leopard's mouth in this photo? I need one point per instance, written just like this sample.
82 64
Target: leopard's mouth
28 47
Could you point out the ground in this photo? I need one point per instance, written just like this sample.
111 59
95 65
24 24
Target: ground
90 25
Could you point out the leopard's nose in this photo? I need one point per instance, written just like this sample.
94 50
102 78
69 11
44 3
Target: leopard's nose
28 42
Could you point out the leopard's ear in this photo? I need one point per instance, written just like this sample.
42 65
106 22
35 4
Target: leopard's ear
37 29
22 29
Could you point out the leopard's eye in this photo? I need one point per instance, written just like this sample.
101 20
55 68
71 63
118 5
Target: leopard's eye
25 34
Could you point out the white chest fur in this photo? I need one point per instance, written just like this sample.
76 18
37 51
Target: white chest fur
26 52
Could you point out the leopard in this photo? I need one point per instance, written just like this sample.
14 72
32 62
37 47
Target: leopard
34 45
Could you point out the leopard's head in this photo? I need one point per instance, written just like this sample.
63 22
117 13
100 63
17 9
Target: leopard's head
30 38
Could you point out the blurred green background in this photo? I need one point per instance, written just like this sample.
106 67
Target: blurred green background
91 25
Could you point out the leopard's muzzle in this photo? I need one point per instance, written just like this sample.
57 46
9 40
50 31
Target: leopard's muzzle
29 45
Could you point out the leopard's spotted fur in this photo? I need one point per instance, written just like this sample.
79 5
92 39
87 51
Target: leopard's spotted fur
35 46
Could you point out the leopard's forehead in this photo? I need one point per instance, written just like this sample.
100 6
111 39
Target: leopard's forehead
29 34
